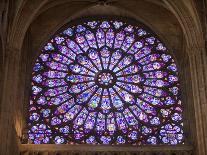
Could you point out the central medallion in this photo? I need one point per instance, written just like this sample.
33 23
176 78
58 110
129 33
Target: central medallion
105 78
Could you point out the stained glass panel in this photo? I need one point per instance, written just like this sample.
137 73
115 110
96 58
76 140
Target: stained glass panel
105 82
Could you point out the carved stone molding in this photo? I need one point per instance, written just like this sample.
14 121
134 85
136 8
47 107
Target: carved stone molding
44 149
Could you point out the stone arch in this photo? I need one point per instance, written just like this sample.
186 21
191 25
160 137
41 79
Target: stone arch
186 15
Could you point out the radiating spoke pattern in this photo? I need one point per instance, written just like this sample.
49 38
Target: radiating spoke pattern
105 82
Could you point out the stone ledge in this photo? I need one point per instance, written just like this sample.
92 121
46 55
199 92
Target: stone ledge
97 148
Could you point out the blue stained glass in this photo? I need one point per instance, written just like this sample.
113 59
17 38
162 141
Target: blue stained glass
85 96
109 38
82 42
142 53
105 139
34 117
44 57
91 140
78 134
129 28
100 37
146 130
41 100
56 91
59 99
176 117
79 78
59 140
136 47
37 67
165 112
150 40
45 112
161 47
80 28
120 140
117 103
117 24
171 134
91 39
141 32
126 61
166 57
121 122
84 61
36 90
73 46
71 113
61 59
132 69
54 74
139 113
156 83
105 82
57 66
155 121
80 119
90 122
92 24
59 40
115 59
54 82
174 90
127 42
133 135
67 52
156 74
119 39
68 32
152 140
65 130
151 99
49 47
55 121
111 123
150 58
172 67
155 91
100 124
64 107
105 24
130 118
147 108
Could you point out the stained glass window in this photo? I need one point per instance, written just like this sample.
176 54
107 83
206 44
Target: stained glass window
105 81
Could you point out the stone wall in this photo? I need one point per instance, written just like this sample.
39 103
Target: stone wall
29 24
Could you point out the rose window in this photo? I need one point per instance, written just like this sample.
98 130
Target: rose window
105 82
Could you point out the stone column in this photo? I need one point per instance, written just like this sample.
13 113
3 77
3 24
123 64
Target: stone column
199 86
8 136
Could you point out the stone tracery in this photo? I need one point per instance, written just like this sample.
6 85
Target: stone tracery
105 82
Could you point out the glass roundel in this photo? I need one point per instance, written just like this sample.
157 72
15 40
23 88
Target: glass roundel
105 82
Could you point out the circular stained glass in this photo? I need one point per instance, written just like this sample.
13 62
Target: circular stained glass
105 82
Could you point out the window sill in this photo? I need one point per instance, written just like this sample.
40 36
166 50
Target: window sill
42 148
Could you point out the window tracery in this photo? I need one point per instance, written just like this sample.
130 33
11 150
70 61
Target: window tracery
105 82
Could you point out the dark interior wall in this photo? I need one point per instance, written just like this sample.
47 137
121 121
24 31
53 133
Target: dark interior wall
1 70
44 17
159 19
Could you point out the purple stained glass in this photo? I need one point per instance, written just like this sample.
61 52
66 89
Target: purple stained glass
105 82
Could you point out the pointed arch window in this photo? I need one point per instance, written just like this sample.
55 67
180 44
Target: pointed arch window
105 81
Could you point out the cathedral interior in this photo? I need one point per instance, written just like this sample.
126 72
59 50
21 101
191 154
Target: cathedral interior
103 77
